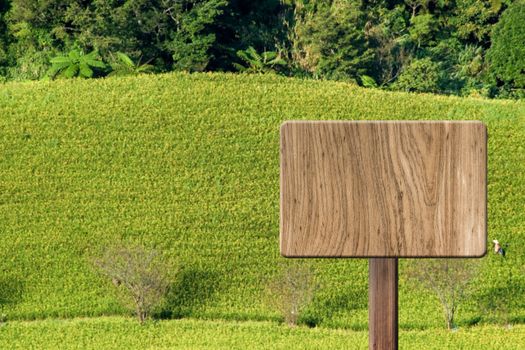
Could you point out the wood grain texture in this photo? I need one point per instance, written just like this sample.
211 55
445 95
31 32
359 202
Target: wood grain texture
383 189
382 304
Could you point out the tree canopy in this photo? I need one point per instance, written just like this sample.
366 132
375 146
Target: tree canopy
463 47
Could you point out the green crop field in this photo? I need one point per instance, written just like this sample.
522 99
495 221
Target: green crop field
189 165
121 333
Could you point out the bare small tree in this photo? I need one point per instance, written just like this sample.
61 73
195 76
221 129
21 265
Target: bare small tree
292 291
139 273
447 279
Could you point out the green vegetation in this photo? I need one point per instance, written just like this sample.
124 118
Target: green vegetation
187 164
118 333
258 63
468 47
122 64
75 64
507 53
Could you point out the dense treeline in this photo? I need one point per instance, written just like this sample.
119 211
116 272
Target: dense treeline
460 47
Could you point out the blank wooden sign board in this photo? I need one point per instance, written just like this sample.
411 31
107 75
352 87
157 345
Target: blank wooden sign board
383 190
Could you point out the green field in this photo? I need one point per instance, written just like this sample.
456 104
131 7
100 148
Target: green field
188 164
122 333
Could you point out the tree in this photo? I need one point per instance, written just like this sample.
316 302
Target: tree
330 40
35 35
291 291
172 34
388 36
383 43
191 40
506 56
137 272
3 37
474 19
447 279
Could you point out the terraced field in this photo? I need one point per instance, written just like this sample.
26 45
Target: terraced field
188 164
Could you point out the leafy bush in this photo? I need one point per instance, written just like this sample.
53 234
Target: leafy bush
137 271
265 62
75 64
122 64
421 75
367 81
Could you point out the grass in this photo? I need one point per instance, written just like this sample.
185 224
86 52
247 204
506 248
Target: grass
188 164
125 333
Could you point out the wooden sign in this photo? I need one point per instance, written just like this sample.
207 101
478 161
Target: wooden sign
383 189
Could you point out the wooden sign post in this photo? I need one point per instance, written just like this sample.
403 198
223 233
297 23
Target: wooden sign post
383 190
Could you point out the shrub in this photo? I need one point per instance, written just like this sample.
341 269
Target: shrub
421 75
75 64
256 62
122 64
139 273
367 81
447 279
291 291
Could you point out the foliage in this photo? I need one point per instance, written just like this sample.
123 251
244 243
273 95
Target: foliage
335 39
171 34
75 64
468 71
292 291
447 279
188 163
506 55
3 38
330 41
257 23
419 76
191 40
367 81
258 63
137 271
122 64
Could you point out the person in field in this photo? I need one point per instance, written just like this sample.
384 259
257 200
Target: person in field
498 249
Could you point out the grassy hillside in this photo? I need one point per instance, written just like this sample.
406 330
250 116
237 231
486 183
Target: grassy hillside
189 164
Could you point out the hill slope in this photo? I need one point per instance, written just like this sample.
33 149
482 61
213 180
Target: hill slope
189 164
